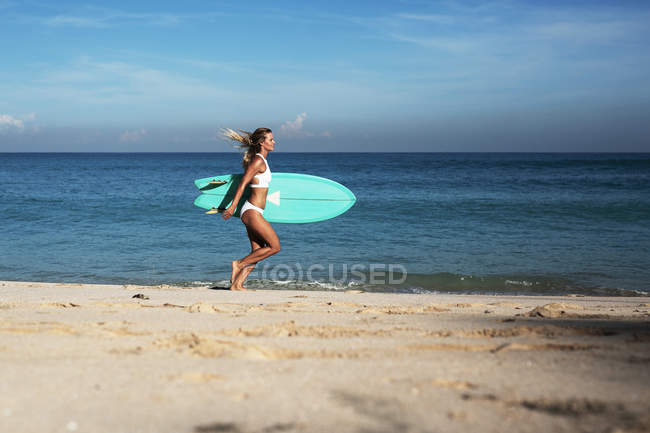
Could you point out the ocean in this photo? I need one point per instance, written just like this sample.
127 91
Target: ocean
491 223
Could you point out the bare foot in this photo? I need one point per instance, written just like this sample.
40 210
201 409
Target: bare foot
235 270
244 271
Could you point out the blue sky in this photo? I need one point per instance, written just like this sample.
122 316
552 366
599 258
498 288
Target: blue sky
326 76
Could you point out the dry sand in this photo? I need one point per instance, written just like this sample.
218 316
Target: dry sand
93 358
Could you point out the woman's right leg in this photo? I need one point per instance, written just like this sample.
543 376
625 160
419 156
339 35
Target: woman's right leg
261 234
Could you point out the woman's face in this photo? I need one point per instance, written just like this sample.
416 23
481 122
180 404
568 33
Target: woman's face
269 142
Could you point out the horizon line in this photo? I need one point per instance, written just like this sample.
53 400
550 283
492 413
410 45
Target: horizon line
403 152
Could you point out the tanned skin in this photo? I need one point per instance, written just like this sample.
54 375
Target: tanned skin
264 241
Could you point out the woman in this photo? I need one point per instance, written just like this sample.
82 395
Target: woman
264 241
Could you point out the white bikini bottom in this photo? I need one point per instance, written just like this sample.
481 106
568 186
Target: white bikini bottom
248 206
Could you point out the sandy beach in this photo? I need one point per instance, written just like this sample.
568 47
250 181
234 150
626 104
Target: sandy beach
98 358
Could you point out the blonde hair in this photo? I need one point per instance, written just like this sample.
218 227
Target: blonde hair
251 142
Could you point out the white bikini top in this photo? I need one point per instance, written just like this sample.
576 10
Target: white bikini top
263 179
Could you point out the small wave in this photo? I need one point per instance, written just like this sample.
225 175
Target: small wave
453 283
201 283
302 285
519 283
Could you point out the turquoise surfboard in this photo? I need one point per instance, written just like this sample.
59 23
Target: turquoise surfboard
291 198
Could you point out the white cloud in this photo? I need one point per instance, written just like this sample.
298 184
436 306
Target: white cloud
438 19
294 128
124 83
104 18
75 21
8 122
132 136
586 30
453 45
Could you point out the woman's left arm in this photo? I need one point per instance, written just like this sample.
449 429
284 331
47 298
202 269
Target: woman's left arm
254 168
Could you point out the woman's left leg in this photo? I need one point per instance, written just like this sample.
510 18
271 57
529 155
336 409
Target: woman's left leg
256 243
263 234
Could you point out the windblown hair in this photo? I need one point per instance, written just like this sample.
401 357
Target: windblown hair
251 142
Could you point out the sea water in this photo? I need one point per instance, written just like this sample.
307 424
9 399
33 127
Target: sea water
423 222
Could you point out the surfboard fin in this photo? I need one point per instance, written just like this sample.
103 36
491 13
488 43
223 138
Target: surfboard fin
215 210
213 184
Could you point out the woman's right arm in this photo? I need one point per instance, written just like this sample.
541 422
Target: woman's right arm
253 169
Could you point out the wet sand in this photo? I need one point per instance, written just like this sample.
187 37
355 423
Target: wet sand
94 358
